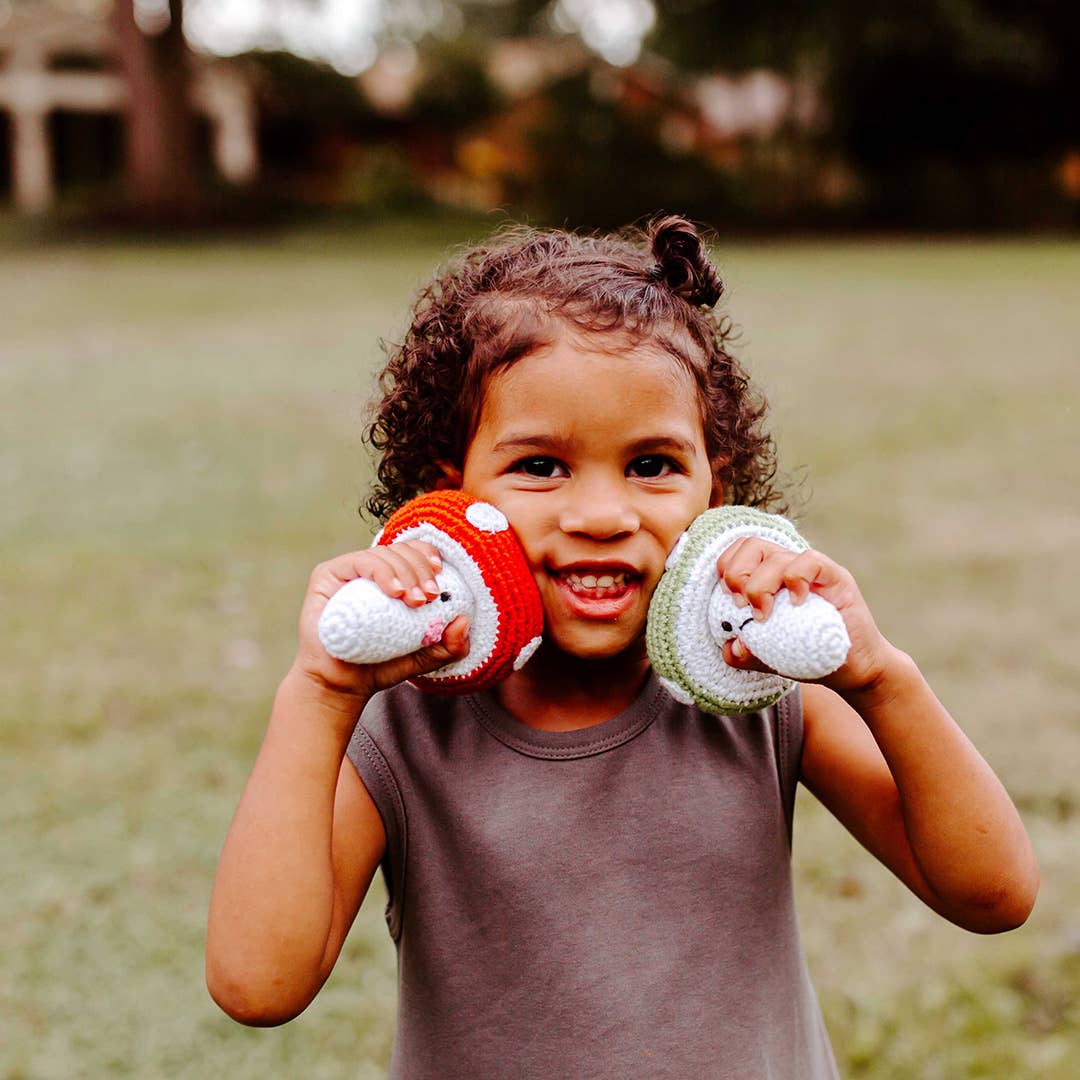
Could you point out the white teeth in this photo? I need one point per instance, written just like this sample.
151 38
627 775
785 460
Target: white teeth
593 581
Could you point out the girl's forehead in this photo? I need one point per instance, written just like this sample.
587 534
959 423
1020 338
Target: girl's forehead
582 357
574 381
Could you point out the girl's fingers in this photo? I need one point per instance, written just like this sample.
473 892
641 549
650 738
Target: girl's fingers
798 573
737 655
802 573
736 565
393 573
754 571
456 637
765 582
750 571
430 551
422 562
453 646
405 571
337 571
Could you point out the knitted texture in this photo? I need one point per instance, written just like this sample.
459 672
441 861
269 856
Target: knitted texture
484 576
691 616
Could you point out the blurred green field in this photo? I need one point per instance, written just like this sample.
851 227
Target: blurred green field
180 446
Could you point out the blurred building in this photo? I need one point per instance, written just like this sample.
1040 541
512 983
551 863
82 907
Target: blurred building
63 98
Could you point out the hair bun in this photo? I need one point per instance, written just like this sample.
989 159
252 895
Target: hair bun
681 262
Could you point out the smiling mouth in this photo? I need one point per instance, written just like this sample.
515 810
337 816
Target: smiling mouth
597 584
601 584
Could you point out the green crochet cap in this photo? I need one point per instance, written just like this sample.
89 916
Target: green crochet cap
684 654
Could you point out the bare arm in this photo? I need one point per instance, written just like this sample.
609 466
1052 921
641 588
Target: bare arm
306 838
884 755
290 879
911 787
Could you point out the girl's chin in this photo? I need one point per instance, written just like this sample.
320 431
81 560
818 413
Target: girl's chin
597 625
593 642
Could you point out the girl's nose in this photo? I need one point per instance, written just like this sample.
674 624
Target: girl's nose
600 514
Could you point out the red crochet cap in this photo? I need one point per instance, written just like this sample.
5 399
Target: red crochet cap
475 539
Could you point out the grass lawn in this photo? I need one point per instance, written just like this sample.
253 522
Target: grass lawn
180 446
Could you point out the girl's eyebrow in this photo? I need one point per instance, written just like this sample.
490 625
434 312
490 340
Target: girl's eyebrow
518 443
671 444
649 444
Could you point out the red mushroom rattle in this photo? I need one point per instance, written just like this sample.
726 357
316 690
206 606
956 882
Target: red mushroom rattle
484 576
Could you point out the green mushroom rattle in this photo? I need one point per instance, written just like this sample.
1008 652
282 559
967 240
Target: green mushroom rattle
691 616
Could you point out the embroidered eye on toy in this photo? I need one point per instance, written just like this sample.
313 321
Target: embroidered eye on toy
691 616
484 576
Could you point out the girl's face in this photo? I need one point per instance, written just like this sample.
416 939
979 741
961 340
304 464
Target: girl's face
598 460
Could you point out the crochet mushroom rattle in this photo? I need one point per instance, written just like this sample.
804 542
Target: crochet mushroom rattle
691 616
484 576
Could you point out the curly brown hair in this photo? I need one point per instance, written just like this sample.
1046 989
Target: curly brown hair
500 302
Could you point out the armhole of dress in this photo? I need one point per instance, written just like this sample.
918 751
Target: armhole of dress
789 744
378 778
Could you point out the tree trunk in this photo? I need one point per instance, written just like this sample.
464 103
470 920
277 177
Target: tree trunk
161 175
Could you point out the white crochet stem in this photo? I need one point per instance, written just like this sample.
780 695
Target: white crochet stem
362 625
799 641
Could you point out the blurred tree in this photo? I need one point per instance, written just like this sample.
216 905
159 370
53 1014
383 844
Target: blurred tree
957 111
951 110
161 174
320 140
455 92
720 35
300 103
504 18
583 142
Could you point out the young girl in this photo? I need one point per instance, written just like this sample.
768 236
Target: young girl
586 877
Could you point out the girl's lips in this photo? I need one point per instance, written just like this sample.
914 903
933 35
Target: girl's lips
606 602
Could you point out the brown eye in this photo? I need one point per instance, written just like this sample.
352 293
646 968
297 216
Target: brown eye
544 468
651 466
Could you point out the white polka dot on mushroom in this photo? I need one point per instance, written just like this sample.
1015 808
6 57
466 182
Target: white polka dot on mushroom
525 655
486 518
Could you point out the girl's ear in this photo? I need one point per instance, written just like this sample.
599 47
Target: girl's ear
450 480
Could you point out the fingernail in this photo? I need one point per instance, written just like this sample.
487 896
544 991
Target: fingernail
396 585
431 587
738 649
416 593
760 615
740 600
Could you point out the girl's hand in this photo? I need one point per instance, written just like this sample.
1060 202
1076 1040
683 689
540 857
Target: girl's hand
754 571
404 570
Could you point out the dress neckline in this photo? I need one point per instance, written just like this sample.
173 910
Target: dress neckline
563 745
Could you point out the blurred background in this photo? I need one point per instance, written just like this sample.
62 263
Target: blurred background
930 114
212 213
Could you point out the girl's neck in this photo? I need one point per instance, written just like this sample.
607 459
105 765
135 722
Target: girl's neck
559 692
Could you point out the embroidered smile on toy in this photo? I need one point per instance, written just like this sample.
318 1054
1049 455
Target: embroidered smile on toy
484 576
691 616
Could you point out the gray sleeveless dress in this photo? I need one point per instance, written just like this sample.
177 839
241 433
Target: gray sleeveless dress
600 904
